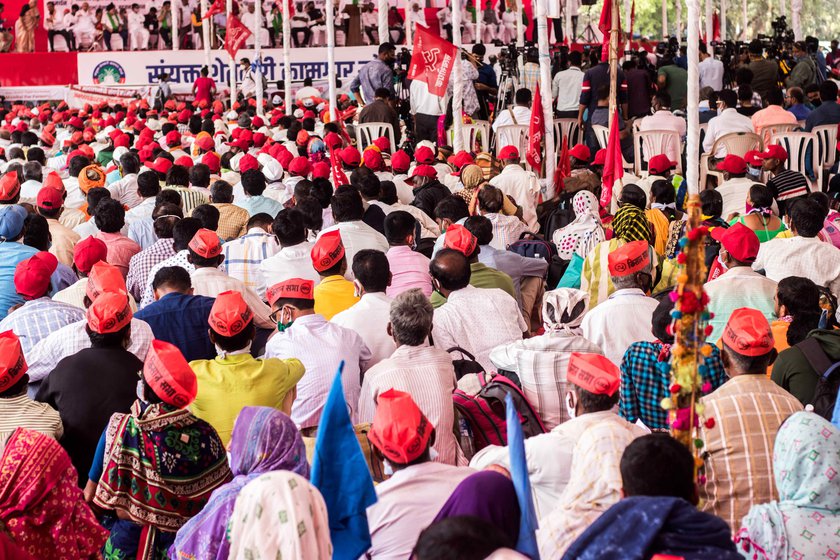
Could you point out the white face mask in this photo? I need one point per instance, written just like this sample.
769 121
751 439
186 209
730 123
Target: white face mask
570 404
140 394
722 264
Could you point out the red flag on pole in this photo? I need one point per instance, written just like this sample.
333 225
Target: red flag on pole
632 22
535 132
432 61
218 7
614 164
338 176
715 27
564 167
235 35
605 25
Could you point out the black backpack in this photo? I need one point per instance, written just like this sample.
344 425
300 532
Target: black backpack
828 383
556 214
534 246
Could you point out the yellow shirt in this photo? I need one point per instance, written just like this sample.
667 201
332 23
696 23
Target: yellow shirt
226 385
333 295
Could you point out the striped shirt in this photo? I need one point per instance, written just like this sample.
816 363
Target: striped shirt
143 262
36 319
244 255
23 412
190 198
75 295
178 259
748 410
506 230
787 184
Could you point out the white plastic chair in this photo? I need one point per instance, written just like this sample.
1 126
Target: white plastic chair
735 143
512 135
566 128
649 143
796 144
827 142
366 133
477 134
773 129
602 135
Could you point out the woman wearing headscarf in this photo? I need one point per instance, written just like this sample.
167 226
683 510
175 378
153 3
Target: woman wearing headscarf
541 361
471 177
42 508
280 515
161 463
804 522
576 240
263 440
488 495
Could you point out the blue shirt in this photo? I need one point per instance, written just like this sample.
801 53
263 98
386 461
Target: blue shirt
800 111
260 204
827 113
11 253
373 75
181 320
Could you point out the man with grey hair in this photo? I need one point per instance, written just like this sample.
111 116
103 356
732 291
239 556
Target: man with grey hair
626 317
423 371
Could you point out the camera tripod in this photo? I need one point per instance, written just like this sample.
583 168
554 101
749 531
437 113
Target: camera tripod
508 84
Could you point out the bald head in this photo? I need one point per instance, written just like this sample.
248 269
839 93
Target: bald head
451 270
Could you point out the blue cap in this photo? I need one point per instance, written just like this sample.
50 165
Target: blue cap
11 221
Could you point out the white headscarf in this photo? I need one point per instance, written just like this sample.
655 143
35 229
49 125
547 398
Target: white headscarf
564 308
280 515
584 232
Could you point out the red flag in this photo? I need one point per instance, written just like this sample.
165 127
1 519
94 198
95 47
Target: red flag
338 176
432 61
605 26
715 27
564 167
535 132
291 7
632 21
614 164
218 7
235 36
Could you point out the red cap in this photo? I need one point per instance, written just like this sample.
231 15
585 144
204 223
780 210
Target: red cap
32 276
299 166
121 141
752 158
594 373
748 333
12 363
9 186
206 244
240 143
460 159
212 161
459 238
424 171
230 314
161 165
302 138
321 170
173 138
373 160
579 151
298 288
509 152
400 430
660 164
739 241
109 313
328 250
184 116
733 164
76 122
259 139
49 198
257 122
333 140
205 142
103 278
169 375
629 258
600 157
248 162
88 252
424 155
383 143
350 156
774 151
400 162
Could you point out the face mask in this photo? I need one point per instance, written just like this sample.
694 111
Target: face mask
570 405
140 394
721 263
754 172
284 326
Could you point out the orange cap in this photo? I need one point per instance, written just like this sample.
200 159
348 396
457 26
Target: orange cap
12 362
169 375
594 373
230 314
629 258
297 288
206 243
9 186
109 313
328 250
104 277
748 333
400 430
459 238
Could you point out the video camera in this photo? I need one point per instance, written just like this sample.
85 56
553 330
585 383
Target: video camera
509 57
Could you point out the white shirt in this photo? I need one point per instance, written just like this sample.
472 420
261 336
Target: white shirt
478 320
711 73
290 262
506 230
729 120
566 87
665 120
807 257
423 101
141 211
623 319
427 374
549 458
428 227
522 116
369 317
75 196
321 346
734 193
524 187
211 282
355 236
136 21
407 503
541 363
125 190
738 287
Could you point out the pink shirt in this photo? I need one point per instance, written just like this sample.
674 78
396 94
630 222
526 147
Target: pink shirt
120 250
773 114
409 269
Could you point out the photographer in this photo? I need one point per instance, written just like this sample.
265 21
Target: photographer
378 73
804 73
765 70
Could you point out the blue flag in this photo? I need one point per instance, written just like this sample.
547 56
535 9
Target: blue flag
528 525
340 473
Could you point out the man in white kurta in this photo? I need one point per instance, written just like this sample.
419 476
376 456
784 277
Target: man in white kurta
523 186
138 35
